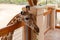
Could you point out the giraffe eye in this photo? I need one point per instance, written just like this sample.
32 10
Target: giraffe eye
27 18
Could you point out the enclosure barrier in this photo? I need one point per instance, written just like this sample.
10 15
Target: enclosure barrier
7 33
57 12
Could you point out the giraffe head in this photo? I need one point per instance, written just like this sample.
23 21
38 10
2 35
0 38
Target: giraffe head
28 18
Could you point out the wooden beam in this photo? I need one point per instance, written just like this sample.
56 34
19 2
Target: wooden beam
57 10
57 27
29 33
49 11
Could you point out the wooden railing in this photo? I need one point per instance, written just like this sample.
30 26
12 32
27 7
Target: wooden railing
49 11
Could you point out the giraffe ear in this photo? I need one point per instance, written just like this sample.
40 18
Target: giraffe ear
28 7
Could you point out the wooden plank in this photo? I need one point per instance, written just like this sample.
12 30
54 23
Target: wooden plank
25 33
29 33
57 10
47 29
48 12
57 27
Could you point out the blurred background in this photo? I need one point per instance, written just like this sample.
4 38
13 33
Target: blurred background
14 1
40 2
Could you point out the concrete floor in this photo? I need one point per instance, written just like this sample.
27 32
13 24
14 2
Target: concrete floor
53 35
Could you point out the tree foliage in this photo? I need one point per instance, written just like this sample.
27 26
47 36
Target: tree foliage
13 1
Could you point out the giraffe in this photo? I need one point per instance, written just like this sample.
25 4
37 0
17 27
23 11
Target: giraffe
27 18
